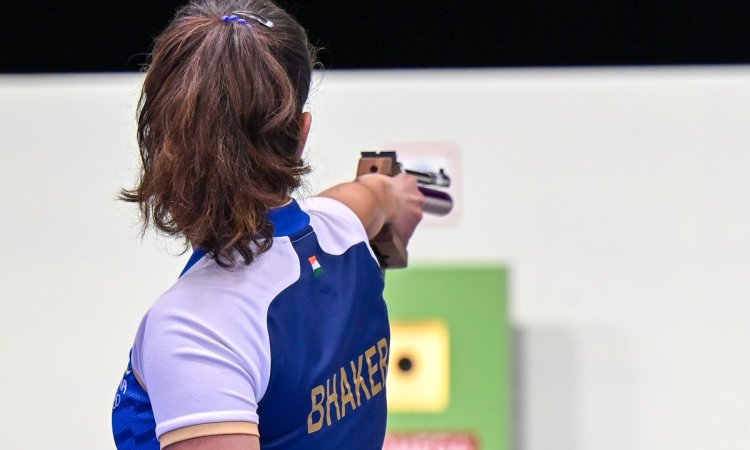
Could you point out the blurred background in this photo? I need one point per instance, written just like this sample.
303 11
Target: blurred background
588 292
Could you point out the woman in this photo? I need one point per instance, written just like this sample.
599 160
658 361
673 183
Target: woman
276 334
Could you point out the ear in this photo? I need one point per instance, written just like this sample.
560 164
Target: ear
305 121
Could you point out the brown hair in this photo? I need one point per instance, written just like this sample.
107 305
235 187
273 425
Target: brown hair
219 125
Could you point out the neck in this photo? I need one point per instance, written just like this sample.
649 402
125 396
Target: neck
283 202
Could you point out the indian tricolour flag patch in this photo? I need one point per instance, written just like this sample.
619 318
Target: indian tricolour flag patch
316 267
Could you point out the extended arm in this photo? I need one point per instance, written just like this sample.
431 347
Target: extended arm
379 199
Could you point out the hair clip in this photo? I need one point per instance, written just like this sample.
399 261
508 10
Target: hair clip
261 20
235 18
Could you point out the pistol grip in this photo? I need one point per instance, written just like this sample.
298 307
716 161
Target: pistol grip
387 245
389 248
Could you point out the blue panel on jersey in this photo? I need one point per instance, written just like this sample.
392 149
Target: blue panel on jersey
329 321
198 253
133 422
288 220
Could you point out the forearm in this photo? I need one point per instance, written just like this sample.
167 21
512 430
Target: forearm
371 198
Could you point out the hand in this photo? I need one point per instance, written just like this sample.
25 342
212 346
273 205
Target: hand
406 204
379 199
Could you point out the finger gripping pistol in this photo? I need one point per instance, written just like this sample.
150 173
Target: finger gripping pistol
388 246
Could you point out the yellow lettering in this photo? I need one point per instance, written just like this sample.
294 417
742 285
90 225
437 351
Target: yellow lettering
383 352
341 394
332 397
359 382
346 394
376 387
316 395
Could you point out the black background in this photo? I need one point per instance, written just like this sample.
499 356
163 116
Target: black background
87 36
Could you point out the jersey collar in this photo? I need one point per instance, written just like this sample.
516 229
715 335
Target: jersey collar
287 220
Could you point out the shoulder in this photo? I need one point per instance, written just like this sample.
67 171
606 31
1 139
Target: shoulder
216 309
338 228
211 291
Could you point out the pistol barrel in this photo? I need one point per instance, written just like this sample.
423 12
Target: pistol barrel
436 202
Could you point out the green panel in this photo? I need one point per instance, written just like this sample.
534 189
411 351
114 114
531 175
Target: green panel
473 302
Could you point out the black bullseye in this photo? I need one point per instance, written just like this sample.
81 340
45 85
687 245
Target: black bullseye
405 364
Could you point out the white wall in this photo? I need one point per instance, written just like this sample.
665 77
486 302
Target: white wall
619 198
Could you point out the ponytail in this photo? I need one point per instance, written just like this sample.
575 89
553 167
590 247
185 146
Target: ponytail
219 125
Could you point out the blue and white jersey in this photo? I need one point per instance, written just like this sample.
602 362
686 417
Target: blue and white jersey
293 348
